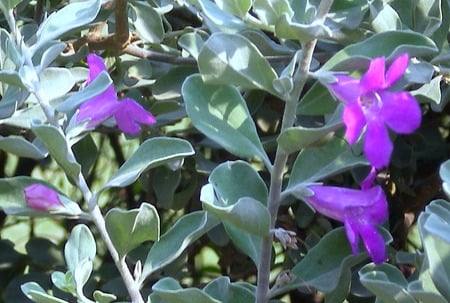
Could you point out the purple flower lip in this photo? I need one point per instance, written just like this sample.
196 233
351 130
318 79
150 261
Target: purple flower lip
370 105
360 211
128 113
42 198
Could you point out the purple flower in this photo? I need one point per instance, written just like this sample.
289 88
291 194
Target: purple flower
368 102
360 210
41 198
127 113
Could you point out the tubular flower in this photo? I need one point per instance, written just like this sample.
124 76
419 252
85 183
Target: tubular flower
359 210
369 103
42 198
127 113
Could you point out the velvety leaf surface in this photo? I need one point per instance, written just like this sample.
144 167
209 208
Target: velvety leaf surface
74 15
130 228
386 282
296 138
171 292
35 292
217 19
21 147
56 144
148 22
220 112
270 11
238 8
434 230
444 173
313 164
186 230
389 44
223 290
233 59
329 272
153 152
80 246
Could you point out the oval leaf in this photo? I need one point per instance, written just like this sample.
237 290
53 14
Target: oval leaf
148 22
444 173
295 138
36 293
314 164
233 59
247 214
434 230
248 243
327 266
386 282
153 152
221 289
238 8
218 19
80 247
220 112
170 291
389 44
130 228
241 206
269 11
186 230
74 15
55 82
56 144
223 179
21 147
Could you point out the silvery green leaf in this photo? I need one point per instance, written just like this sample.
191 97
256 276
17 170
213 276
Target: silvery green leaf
73 15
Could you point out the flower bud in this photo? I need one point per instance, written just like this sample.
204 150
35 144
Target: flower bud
41 198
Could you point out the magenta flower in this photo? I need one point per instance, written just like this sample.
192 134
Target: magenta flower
127 113
368 102
42 198
360 210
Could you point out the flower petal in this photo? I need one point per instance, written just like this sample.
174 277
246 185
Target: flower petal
377 144
346 89
354 121
373 242
96 66
369 179
378 210
401 111
397 69
352 235
129 114
373 79
97 109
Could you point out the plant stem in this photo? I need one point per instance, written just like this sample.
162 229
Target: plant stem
300 77
131 285
94 210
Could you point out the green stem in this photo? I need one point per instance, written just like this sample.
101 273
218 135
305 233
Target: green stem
281 157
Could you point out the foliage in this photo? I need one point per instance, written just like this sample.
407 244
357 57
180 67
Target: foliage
209 204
